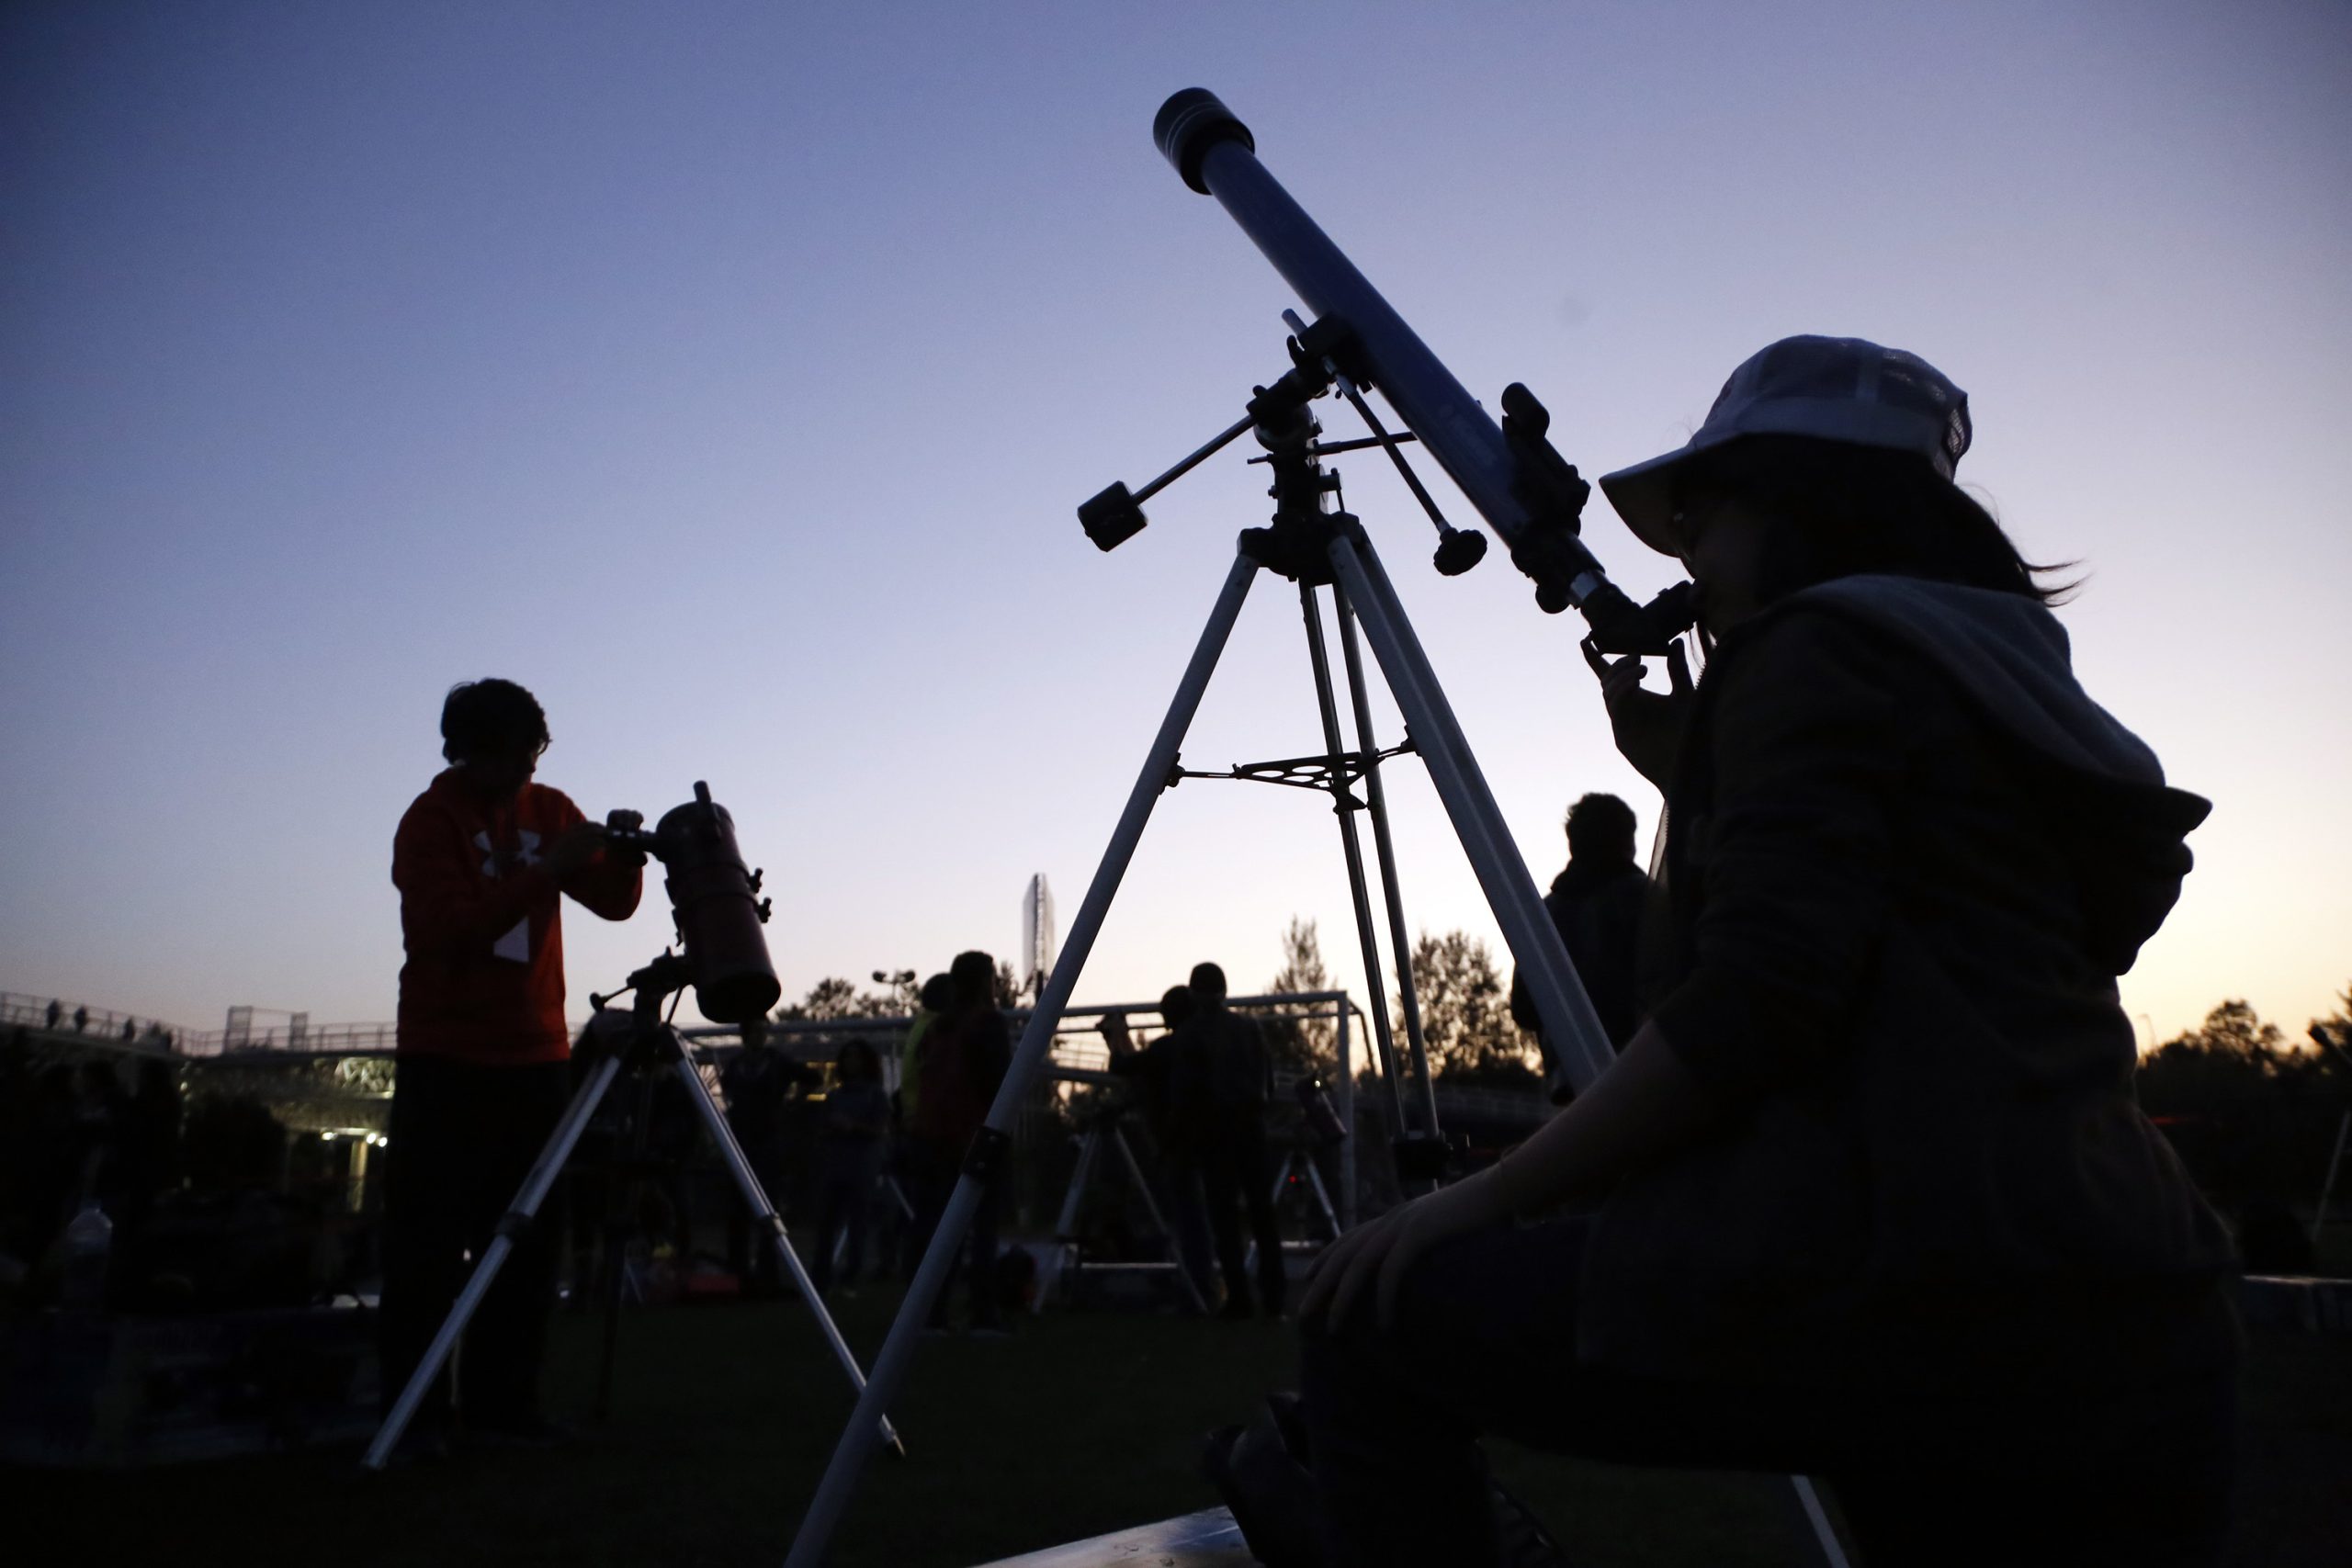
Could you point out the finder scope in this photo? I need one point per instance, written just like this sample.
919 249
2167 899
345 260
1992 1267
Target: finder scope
715 902
1509 472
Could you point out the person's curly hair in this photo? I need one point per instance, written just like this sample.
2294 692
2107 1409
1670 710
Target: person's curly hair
479 717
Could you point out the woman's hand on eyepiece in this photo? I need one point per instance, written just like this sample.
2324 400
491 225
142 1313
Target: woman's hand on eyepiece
1648 725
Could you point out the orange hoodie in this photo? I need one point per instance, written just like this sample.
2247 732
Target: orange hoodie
482 924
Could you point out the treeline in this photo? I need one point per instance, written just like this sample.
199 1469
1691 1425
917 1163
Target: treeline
2253 1115
2252 1112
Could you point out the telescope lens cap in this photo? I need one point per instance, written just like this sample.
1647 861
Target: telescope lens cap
1189 124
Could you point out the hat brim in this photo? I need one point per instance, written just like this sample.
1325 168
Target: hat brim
1643 496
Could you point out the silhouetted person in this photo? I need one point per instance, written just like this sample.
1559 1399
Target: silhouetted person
81 1020
481 860
100 1112
150 1142
857 1119
1152 1069
934 1003
1868 1195
1596 905
1223 1079
959 1067
757 1085
56 1011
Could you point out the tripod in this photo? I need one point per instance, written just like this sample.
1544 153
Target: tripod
1315 548
1110 1130
641 1043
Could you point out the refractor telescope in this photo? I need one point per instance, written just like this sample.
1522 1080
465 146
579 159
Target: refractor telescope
1534 498
713 901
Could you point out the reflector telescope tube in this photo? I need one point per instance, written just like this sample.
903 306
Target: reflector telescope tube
1216 154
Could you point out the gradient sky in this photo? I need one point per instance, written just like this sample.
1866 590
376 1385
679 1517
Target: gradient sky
729 374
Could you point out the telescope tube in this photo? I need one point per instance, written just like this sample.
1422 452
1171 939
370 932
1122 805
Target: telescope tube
712 898
1217 156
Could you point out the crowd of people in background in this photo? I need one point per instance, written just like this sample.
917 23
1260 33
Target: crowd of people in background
1202 1088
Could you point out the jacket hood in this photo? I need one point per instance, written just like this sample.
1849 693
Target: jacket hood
2123 825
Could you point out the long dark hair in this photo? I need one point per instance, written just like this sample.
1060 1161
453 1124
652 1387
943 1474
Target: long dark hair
1852 509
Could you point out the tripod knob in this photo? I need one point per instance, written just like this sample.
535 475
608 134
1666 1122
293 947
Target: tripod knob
1112 517
1460 550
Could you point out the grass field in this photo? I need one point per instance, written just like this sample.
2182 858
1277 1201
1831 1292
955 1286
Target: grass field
723 1416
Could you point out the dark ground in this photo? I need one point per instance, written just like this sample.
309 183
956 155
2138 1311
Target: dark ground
1081 1423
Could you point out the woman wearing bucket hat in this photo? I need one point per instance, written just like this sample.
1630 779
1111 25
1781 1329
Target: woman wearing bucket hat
1868 1196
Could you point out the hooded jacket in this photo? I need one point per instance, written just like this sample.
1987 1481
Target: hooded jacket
1908 857
481 919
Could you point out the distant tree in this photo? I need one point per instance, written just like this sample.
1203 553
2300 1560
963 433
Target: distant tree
2233 1055
2337 1026
1465 1014
834 997
2252 1114
1008 986
1301 1044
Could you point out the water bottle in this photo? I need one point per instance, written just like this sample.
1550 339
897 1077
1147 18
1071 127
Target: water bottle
89 1245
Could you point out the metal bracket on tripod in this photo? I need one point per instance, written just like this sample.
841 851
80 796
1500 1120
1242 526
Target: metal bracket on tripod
1324 774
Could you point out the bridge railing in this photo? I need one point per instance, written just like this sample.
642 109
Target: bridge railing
18 1010
316 1040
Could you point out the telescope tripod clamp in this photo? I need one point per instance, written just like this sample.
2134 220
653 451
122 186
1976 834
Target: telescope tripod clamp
1324 352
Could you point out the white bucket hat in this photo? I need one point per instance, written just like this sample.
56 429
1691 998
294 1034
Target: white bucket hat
1831 388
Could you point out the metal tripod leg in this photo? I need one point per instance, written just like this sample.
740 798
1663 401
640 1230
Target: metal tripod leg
535 1189
747 1183
1066 1224
1535 943
890 1368
2327 1186
1383 850
1322 1194
1151 1207
1359 898
1066 1221
1305 1161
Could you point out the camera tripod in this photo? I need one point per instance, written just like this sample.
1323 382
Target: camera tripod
641 1043
1318 550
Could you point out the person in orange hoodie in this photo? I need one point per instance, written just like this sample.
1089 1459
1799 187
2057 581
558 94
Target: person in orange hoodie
480 859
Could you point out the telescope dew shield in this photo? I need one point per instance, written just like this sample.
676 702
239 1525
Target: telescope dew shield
1216 155
714 899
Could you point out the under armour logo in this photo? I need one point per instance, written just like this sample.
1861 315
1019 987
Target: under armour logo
496 863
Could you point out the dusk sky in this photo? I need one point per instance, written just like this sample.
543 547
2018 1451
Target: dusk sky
729 375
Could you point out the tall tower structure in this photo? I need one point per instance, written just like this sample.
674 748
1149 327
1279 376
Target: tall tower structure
1036 936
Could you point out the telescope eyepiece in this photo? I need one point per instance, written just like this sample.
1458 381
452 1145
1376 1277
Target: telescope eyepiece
1189 124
